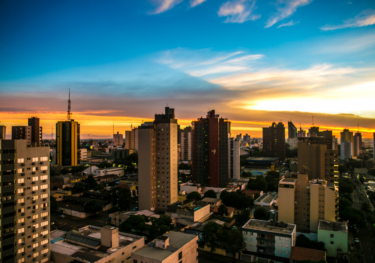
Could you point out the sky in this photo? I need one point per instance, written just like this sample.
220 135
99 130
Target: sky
254 62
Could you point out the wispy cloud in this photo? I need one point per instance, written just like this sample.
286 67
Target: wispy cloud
164 5
290 23
365 18
238 11
194 3
285 8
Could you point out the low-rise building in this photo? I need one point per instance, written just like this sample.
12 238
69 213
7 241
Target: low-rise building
334 235
230 211
300 254
83 155
267 199
210 201
268 240
59 194
252 193
119 217
197 227
119 171
95 245
188 213
172 247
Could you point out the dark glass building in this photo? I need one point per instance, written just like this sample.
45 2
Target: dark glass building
274 141
292 130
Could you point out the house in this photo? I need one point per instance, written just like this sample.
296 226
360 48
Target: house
187 213
267 199
197 227
210 201
95 245
300 254
230 211
119 217
59 194
171 247
334 235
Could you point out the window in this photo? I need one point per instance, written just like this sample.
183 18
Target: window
35 235
44 196
44 233
180 255
35 159
35 178
21 260
44 214
45 186
280 251
287 239
43 159
44 177
36 254
286 245
35 216
45 223
21 230
20 181
35 245
332 235
281 238
35 197
21 170
44 168
44 242
286 252
280 245
21 200
34 169
36 226
35 188
135 261
21 220
20 191
21 160
45 251
21 250
20 241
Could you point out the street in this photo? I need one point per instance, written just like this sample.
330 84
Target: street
366 236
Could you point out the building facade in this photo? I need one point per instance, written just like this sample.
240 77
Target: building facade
346 150
292 130
357 144
21 133
131 139
36 130
313 200
210 150
158 162
25 218
274 141
118 139
234 162
67 143
247 138
3 132
301 133
334 235
185 137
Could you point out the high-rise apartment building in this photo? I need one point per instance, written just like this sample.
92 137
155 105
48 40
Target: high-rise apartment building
67 143
158 162
3 132
373 145
313 131
118 139
346 150
24 217
292 130
234 161
301 133
36 130
247 138
210 151
185 145
131 139
274 141
304 202
21 133
316 160
357 144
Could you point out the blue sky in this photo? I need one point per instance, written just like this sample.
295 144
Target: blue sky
237 56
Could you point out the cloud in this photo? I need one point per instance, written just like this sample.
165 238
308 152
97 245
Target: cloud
194 3
290 23
238 11
164 5
285 8
365 18
346 44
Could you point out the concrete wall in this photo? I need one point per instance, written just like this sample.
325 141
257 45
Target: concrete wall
75 213
144 170
199 214
283 246
286 204
189 188
338 241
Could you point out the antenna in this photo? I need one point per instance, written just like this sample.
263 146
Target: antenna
69 113
51 133
113 126
312 120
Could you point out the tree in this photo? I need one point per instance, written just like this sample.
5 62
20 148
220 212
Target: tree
104 165
259 183
236 199
210 194
343 203
233 242
345 186
272 180
92 207
242 217
261 214
136 222
361 179
303 241
124 198
194 196
54 204
78 188
159 226
212 235
354 216
246 174
90 182
365 207
222 210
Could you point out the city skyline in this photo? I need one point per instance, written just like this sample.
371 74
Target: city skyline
254 62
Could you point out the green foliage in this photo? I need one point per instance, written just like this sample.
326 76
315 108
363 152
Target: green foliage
104 165
354 216
343 169
123 198
212 235
242 217
246 174
128 163
73 169
194 196
210 193
243 160
361 179
90 182
136 222
272 180
365 207
290 153
259 183
78 188
53 203
223 210
236 199
92 207
344 203
233 242
345 186
303 241
261 214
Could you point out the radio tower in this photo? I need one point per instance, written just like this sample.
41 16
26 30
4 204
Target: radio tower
69 113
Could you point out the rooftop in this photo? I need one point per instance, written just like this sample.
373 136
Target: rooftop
270 226
216 209
85 244
288 181
301 253
210 200
176 241
267 197
333 226
262 159
198 226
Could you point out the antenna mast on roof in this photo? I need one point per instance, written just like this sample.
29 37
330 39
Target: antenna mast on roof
312 120
113 126
69 113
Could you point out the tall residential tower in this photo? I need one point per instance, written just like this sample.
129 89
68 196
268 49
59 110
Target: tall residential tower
274 141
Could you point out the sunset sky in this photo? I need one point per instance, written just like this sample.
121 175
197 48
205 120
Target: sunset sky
254 62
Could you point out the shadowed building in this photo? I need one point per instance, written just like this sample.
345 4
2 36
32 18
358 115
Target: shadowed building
67 143
210 150
292 130
3 132
21 133
36 130
185 137
158 162
274 141
118 139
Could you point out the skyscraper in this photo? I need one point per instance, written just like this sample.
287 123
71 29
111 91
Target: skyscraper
158 162
118 139
301 133
67 141
235 168
210 151
25 218
357 144
21 133
316 160
314 131
292 130
3 132
131 139
346 135
185 135
346 150
373 145
36 130
274 141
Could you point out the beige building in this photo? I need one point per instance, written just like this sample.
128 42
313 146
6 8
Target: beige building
3 132
172 247
158 162
118 139
186 144
94 244
316 160
313 201
25 218
131 139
